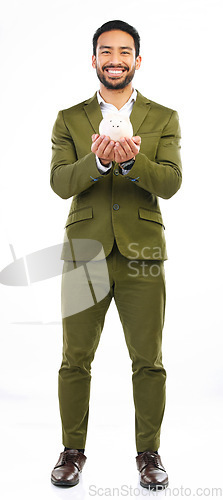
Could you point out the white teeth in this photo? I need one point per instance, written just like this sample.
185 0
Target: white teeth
115 71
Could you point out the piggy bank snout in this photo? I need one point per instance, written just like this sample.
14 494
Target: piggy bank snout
116 127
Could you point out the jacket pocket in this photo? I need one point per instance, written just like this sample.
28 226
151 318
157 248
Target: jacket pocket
149 144
157 133
145 213
79 214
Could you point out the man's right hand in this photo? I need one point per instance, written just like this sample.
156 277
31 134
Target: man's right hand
103 148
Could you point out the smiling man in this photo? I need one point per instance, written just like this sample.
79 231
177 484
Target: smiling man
115 62
115 188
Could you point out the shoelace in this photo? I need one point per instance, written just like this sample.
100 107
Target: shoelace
152 459
68 457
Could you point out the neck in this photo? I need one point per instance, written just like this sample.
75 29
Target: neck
116 97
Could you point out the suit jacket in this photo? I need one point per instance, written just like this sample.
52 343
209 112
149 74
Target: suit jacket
124 207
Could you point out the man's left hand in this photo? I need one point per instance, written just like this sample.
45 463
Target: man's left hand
126 149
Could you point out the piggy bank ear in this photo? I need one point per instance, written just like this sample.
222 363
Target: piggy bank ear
105 123
110 115
124 116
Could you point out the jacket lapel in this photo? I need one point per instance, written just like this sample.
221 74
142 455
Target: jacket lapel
139 111
93 112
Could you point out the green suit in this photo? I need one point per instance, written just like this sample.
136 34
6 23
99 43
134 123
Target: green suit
121 212
108 206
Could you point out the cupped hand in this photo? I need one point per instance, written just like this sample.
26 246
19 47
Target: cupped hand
119 151
126 149
103 148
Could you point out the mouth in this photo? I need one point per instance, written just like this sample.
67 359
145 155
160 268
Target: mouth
115 72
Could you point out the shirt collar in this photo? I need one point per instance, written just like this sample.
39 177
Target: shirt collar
132 98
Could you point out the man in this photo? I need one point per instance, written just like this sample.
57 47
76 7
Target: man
115 188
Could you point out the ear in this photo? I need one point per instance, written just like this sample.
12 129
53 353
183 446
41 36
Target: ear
93 62
138 62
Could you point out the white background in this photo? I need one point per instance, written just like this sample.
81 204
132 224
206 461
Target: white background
45 67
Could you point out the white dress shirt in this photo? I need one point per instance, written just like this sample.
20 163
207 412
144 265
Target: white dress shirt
106 107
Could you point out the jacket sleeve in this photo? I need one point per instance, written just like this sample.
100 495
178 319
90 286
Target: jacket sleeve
68 175
162 177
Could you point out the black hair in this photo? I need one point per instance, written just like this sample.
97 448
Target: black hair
117 25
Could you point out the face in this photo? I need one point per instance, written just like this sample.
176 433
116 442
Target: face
115 60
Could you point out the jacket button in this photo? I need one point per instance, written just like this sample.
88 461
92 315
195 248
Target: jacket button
116 171
116 206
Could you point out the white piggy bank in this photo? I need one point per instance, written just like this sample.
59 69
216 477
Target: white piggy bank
116 125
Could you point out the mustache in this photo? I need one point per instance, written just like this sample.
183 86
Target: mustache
110 66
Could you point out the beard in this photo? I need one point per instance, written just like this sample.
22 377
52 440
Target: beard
114 84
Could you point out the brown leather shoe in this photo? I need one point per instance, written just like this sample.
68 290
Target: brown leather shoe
67 470
152 472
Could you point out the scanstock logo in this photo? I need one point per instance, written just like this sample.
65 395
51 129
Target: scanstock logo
85 278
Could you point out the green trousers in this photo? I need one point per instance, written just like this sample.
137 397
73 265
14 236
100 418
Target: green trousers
138 289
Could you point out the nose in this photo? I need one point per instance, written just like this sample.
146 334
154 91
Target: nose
115 59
